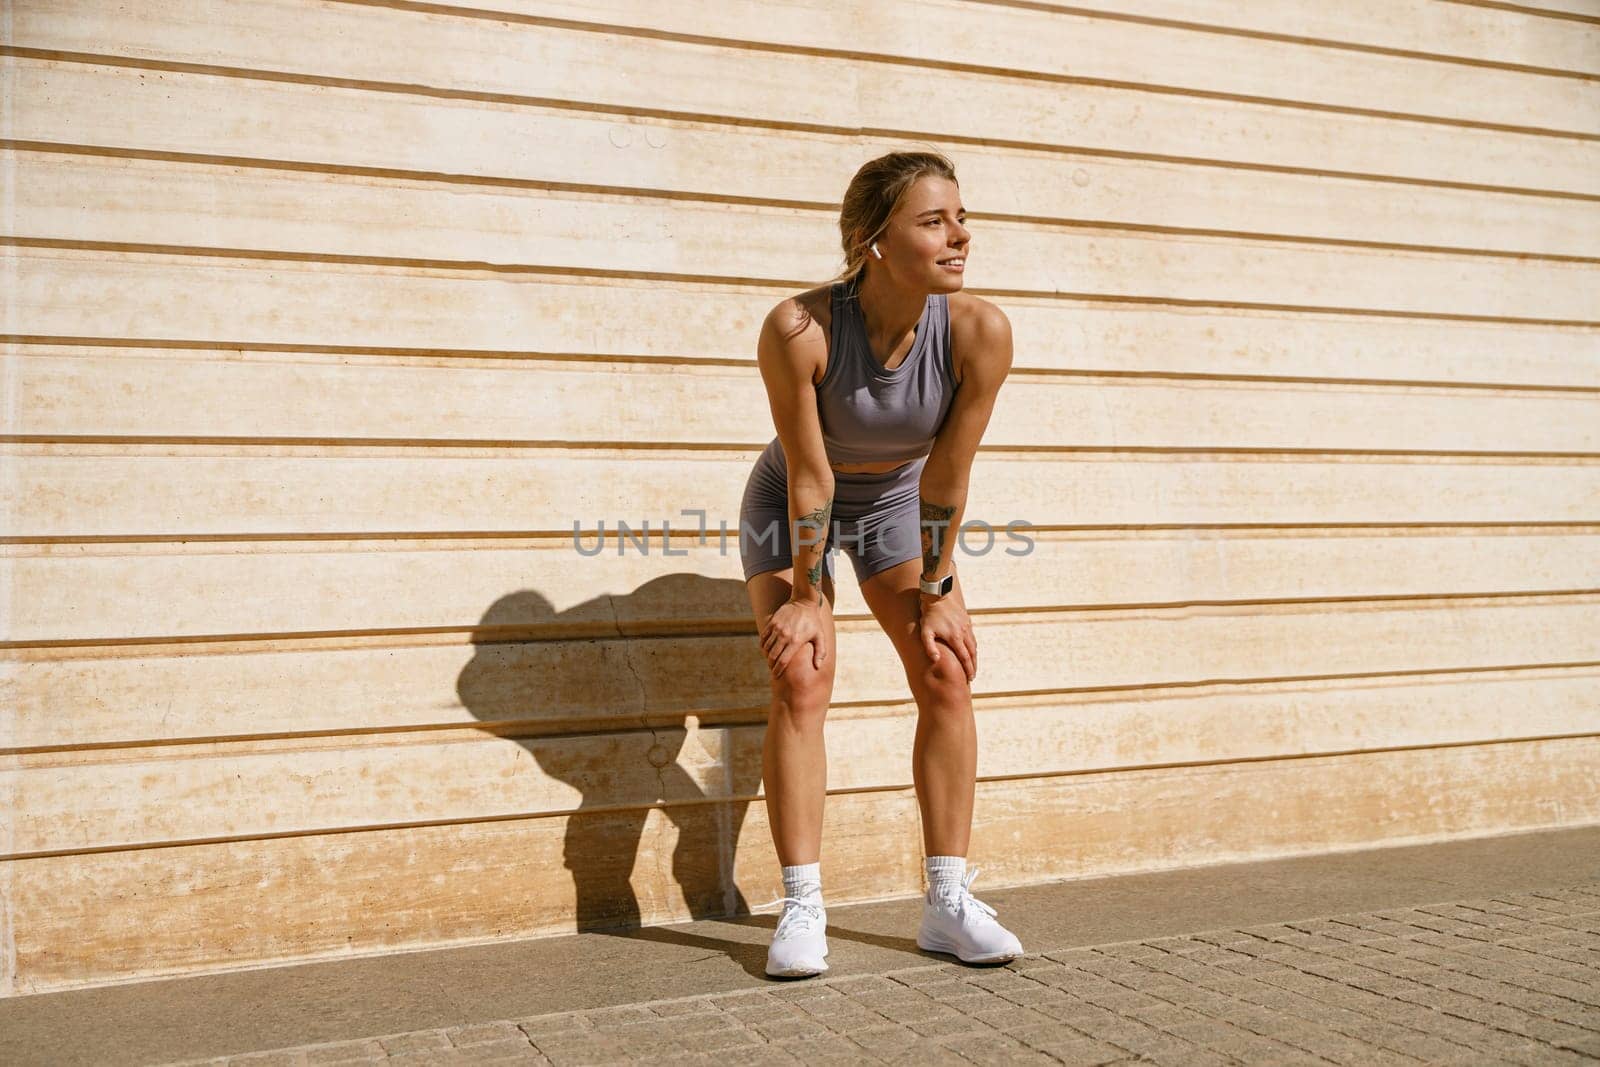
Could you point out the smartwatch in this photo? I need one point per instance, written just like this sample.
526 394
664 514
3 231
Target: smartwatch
939 588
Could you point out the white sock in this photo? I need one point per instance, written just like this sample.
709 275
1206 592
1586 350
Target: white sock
803 881
944 875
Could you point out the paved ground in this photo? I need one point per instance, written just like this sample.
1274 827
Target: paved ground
1508 979
1474 951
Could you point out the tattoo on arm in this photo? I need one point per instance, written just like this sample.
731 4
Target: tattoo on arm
934 517
816 520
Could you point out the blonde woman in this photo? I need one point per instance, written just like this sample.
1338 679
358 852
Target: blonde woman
881 384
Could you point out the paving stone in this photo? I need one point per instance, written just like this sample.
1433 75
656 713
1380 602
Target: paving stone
725 1001
583 1050
850 1018
909 1009
858 985
345 1052
1224 938
751 1056
827 1051
1132 950
995 1049
1063 1043
726 1039
1128 1000
924 1052
1558 906
998 981
484 1052
422 1041
1007 1016
787 1030
483 1033
883 1039
541 1025
607 1018
1589 1046
669 1008
1175 945
944 1026
1504 981
918 978
1045 1000
764 1011
805 991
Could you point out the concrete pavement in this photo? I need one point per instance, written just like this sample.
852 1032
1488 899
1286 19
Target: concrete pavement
1472 952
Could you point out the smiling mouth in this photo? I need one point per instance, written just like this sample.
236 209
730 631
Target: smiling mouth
959 261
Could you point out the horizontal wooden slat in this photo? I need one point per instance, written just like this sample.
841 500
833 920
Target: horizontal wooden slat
228 303
98 800
405 49
1498 34
146 202
234 904
183 690
65 391
942 36
1077 42
1586 10
328 129
93 490
114 593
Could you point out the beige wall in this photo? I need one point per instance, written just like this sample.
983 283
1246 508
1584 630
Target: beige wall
325 320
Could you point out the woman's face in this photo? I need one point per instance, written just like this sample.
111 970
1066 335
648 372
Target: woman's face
925 245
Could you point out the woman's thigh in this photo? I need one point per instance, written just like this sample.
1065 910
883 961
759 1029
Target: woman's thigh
894 596
768 591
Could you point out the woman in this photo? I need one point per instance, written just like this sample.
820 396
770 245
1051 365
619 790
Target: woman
881 384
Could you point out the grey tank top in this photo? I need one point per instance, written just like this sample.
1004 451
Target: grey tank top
872 415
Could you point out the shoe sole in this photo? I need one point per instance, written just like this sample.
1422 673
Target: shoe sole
932 944
797 972
800 971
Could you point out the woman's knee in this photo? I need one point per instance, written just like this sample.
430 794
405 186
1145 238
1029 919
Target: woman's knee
802 692
942 682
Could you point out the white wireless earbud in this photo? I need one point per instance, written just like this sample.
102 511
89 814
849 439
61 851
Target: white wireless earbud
875 251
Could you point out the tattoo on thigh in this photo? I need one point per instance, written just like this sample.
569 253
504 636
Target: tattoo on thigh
935 517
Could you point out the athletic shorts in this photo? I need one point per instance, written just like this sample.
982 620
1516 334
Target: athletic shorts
876 518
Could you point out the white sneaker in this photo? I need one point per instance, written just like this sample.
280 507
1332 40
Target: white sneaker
800 941
964 926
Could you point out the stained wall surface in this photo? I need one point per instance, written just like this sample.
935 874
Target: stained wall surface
325 321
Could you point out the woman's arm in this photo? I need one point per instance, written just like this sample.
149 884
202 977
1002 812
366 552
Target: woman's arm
790 351
985 343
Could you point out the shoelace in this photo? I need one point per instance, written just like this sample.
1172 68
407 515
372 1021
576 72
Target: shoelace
799 920
979 911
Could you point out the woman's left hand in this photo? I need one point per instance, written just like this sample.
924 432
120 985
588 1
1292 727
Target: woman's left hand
945 619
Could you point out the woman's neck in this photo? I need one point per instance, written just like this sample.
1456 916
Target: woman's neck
890 313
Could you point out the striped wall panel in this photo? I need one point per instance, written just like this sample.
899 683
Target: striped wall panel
336 332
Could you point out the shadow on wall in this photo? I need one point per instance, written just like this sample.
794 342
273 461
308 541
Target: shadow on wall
599 693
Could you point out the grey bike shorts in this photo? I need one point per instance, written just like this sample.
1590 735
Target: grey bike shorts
876 518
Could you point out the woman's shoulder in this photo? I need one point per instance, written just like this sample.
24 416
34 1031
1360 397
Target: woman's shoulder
969 312
800 323
801 312
977 326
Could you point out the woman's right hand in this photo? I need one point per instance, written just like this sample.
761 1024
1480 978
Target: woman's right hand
790 629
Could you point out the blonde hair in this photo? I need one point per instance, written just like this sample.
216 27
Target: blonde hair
872 197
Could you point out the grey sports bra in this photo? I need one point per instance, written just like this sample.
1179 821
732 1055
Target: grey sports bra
872 415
